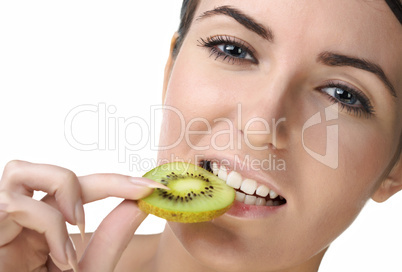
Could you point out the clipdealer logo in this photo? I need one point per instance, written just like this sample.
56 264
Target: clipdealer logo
112 133
330 158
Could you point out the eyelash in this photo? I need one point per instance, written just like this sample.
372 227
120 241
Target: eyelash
212 42
366 108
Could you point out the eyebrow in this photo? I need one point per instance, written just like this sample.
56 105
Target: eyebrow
327 58
242 18
334 59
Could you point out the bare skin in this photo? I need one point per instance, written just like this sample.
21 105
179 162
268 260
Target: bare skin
288 74
37 236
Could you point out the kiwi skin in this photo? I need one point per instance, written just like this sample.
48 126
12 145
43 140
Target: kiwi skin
181 211
182 217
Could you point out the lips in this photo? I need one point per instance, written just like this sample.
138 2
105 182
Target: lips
248 191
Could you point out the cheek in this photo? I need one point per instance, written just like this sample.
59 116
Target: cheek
196 98
172 128
347 156
361 163
332 198
201 87
364 154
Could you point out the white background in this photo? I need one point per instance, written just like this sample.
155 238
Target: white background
57 55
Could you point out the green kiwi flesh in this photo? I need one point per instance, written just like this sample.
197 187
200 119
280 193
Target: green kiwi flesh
195 194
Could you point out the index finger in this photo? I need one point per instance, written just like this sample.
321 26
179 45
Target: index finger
99 186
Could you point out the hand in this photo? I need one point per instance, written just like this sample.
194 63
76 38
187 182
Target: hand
30 230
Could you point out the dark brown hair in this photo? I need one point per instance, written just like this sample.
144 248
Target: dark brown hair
396 7
188 9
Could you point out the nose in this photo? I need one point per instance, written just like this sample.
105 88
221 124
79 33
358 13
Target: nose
264 122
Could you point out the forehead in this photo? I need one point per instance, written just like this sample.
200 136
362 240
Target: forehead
363 28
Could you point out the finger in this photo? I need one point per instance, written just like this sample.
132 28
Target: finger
99 186
25 212
25 178
112 237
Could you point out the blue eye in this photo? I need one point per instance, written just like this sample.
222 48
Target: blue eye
351 99
342 95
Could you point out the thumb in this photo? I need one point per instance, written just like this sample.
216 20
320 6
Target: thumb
112 237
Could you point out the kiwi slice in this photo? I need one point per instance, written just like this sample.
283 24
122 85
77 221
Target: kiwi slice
195 194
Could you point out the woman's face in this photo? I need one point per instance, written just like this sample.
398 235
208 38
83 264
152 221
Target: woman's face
303 97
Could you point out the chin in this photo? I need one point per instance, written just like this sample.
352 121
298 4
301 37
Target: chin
220 247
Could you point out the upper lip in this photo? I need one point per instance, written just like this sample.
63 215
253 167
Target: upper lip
246 171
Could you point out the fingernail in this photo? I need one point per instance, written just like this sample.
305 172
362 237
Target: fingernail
71 255
148 183
80 218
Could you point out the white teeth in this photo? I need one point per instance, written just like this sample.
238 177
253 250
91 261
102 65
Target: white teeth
223 173
272 194
215 168
234 180
249 186
250 200
240 196
262 190
260 201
